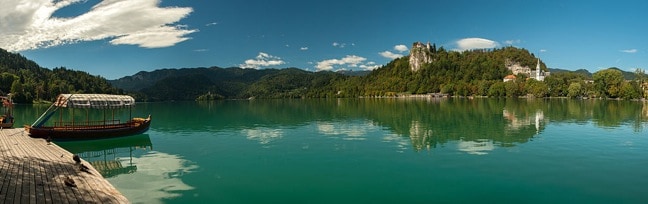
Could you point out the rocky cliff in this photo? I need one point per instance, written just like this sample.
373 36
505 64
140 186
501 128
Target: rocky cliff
420 54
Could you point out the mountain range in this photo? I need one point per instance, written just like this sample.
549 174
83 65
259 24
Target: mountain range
450 72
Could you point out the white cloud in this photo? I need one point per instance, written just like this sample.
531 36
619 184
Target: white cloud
390 55
303 48
212 24
369 66
262 60
340 45
543 50
511 42
475 43
400 48
28 25
200 50
630 51
349 60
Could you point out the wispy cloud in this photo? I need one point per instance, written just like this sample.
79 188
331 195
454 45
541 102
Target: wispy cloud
303 48
475 43
629 51
346 62
212 24
262 60
341 45
369 66
391 55
543 50
511 42
200 50
28 25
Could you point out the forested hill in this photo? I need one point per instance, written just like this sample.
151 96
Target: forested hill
470 72
232 83
466 73
28 82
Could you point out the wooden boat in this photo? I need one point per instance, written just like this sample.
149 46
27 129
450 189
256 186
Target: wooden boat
7 119
88 129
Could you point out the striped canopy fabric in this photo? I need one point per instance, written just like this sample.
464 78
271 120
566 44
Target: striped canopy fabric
95 101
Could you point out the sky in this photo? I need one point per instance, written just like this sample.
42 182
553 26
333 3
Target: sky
117 38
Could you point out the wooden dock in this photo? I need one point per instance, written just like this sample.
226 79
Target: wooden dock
33 171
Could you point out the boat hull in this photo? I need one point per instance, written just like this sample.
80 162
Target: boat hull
90 133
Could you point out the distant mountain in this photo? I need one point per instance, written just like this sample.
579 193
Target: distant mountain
627 75
580 71
143 80
191 83
353 73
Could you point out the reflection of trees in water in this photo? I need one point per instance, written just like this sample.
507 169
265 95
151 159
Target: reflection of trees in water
480 123
426 122
602 113
476 124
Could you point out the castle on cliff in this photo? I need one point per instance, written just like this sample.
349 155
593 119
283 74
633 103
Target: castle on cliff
420 54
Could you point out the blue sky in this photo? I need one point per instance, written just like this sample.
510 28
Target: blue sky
116 38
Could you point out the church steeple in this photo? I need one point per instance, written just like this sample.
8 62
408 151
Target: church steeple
538 70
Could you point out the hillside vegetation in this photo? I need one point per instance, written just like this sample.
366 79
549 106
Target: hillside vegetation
28 82
467 73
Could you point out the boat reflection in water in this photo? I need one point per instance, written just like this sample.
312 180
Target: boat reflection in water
111 157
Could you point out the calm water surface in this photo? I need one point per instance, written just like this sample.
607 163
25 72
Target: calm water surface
379 151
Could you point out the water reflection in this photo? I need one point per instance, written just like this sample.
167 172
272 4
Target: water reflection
477 147
131 165
111 157
350 130
263 135
421 124
158 178
520 122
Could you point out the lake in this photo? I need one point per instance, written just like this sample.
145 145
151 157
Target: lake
378 151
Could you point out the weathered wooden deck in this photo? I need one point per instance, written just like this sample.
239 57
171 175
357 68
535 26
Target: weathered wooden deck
33 171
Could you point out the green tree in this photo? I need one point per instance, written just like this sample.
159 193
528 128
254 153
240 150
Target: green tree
608 82
630 90
537 88
512 89
498 89
575 90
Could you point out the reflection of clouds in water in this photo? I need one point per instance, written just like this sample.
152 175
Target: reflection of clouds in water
401 142
158 177
349 131
479 147
263 135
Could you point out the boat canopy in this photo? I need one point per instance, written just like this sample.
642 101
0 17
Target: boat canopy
95 101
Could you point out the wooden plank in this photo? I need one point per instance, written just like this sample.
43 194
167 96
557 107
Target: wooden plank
32 171
5 176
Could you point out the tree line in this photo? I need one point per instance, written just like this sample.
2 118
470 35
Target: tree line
467 73
481 73
28 82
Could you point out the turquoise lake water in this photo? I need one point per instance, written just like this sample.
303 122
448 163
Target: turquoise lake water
378 151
